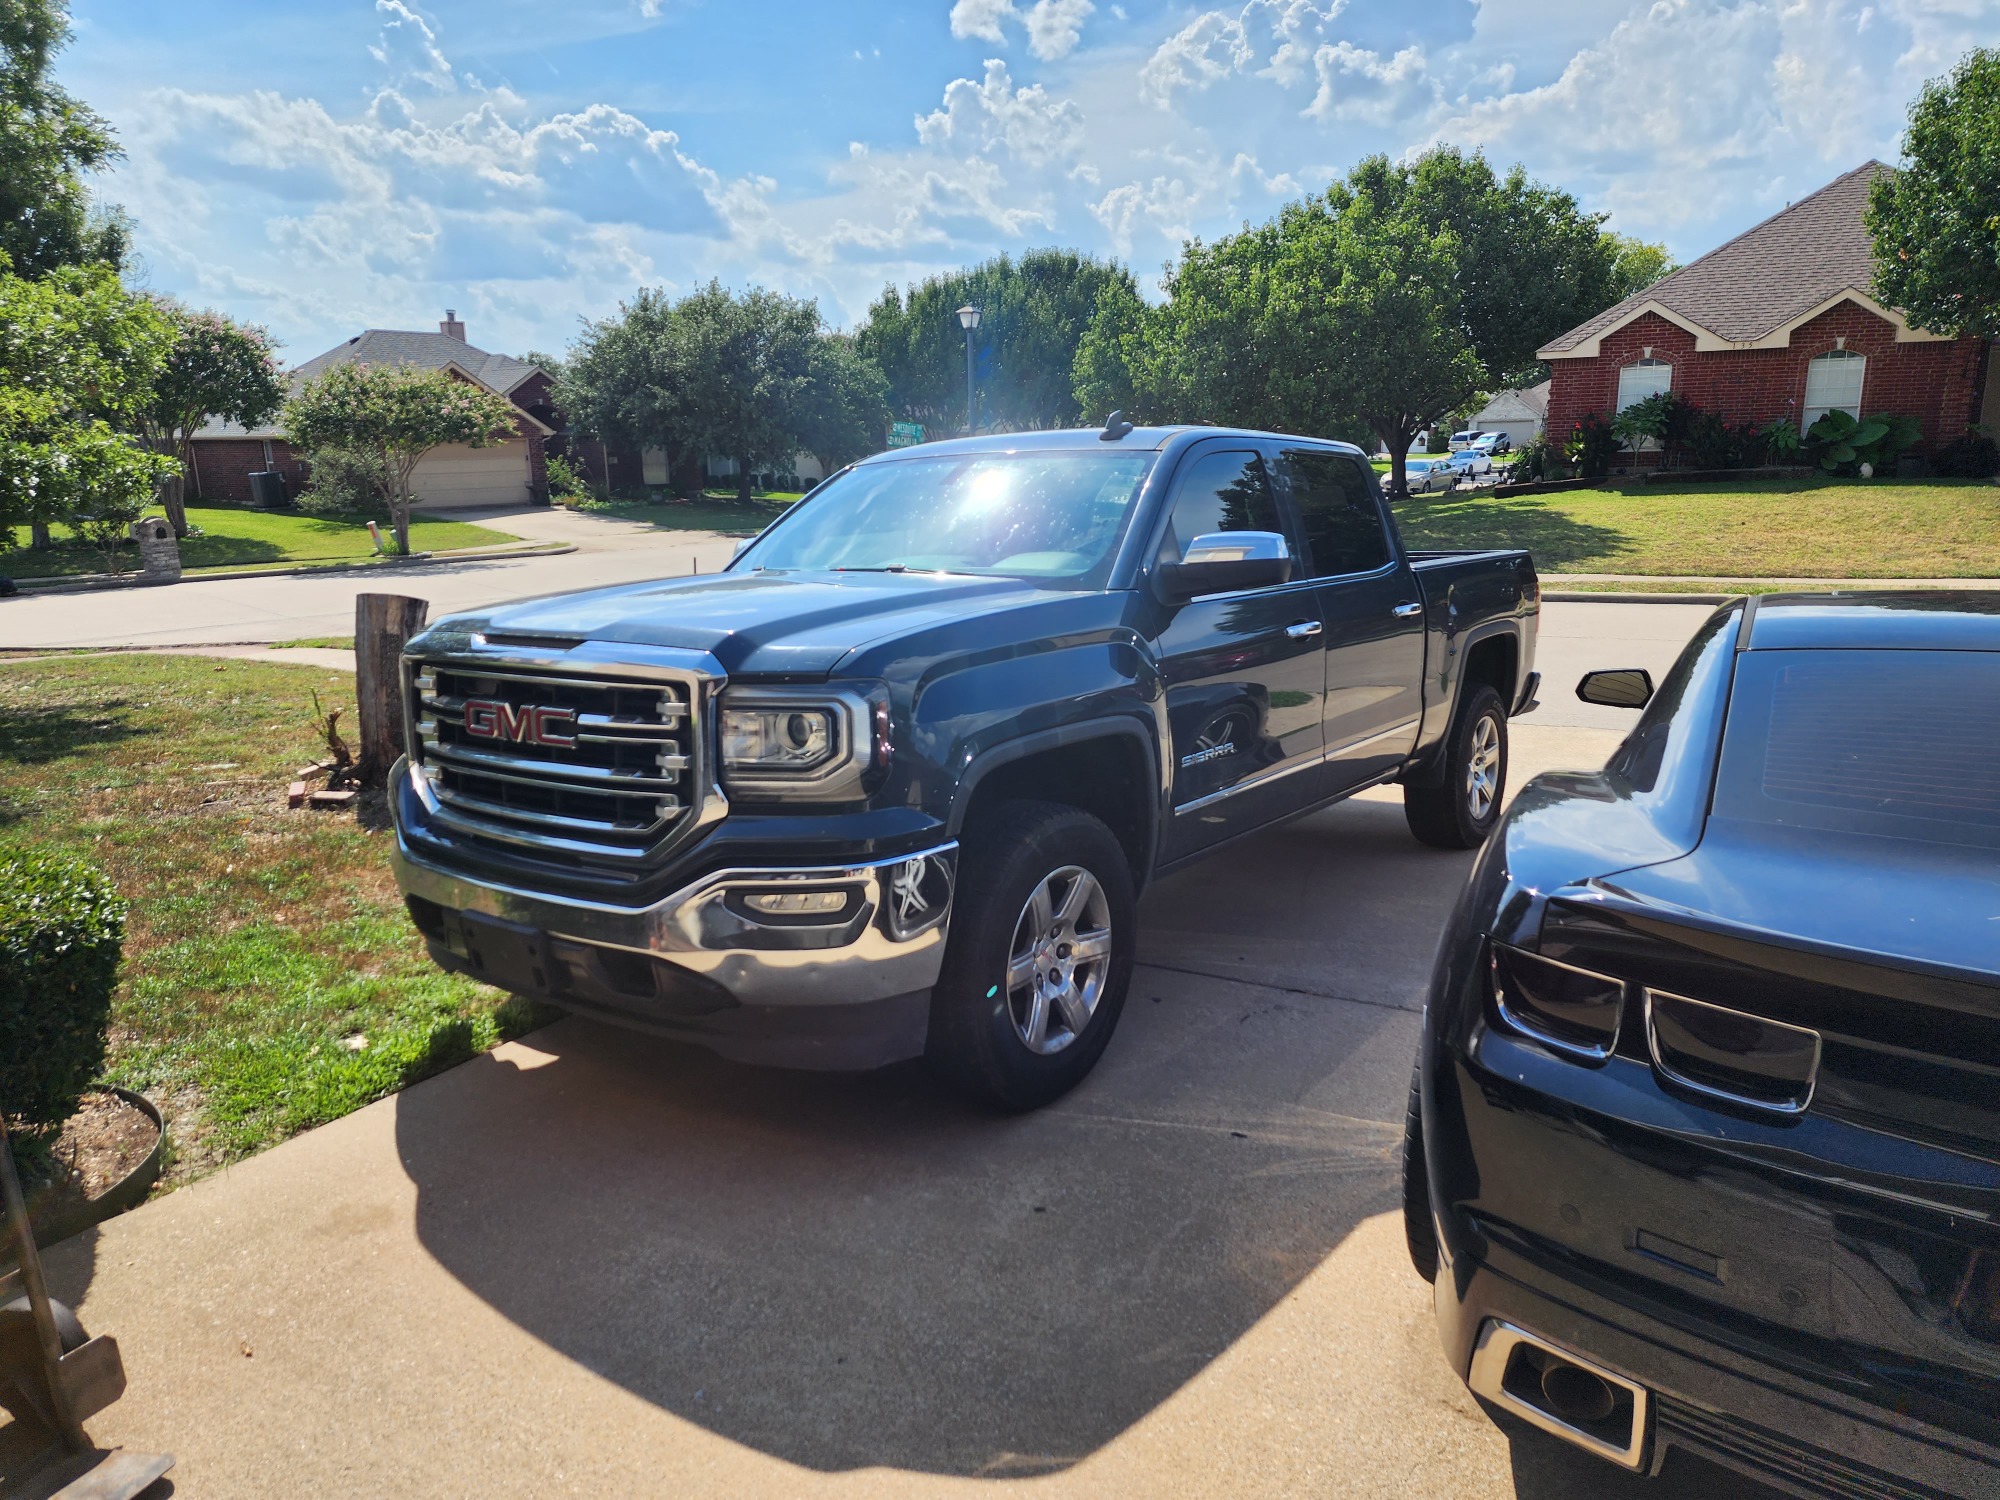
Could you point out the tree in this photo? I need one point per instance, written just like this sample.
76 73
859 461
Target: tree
1034 313
78 354
743 366
394 415
1636 264
845 404
622 381
216 368
47 142
1387 302
1936 223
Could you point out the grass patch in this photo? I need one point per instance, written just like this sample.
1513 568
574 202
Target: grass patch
236 537
1799 528
325 642
264 946
716 510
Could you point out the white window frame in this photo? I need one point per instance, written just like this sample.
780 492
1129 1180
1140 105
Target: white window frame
1653 386
1842 360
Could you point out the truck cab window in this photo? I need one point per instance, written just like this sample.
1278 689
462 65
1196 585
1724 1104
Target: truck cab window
1220 492
1338 511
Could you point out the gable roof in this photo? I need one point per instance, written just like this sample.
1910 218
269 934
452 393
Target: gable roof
426 351
396 346
1527 401
1752 292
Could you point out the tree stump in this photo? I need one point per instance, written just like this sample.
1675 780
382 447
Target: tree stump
383 625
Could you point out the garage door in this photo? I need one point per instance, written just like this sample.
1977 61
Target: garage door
459 476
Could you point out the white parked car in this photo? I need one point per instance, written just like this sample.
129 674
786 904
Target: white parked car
1491 442
1469 463
1465 439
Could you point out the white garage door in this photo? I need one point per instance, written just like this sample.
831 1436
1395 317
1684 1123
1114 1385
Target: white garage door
459 476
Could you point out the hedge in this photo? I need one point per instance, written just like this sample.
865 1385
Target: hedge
62 926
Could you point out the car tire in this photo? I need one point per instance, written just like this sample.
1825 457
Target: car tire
1461 811
1030 993
1419 1230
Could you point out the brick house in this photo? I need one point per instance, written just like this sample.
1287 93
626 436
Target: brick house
1779 322
510 472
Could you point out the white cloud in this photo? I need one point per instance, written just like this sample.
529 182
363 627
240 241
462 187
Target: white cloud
1219 43
1054 27
1031 123
408 48
1357 83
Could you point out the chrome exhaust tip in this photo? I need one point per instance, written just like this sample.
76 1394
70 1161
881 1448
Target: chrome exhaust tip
1561 1392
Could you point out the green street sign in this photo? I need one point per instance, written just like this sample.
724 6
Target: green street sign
905 434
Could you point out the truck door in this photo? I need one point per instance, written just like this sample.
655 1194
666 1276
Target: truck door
1372 612
1243 671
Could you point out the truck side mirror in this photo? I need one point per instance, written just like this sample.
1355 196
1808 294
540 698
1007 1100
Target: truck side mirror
1223 562
1618 687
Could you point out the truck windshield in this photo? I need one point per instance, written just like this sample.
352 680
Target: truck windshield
1055 516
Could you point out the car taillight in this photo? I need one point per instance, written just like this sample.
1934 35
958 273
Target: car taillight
1729 1054
1572 1010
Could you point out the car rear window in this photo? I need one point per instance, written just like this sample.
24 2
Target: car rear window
1904 744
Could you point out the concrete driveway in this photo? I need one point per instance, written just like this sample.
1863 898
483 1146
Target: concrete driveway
596 1263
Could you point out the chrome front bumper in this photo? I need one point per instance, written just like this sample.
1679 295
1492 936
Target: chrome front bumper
888 940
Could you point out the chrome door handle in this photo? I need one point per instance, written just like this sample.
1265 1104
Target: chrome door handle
1407 611
1303 630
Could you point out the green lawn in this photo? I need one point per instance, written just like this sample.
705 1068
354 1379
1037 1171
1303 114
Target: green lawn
716 510
272 980
234 537
1803 528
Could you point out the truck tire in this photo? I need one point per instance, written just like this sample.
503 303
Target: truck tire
1043 931
1419 1231
1460 812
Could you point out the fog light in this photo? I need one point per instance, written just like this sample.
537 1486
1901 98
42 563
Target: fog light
796 903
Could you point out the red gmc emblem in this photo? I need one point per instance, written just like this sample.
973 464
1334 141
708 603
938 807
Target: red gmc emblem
530 724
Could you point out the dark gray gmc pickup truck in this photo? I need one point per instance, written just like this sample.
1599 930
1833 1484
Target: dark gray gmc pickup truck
891 784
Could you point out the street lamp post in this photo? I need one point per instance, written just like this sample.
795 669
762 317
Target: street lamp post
968 319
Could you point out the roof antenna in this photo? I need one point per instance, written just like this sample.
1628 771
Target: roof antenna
1115 427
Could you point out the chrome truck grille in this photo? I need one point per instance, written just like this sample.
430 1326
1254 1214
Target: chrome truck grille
596 766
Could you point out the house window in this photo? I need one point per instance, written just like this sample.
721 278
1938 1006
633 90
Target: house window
1833 383
1646 377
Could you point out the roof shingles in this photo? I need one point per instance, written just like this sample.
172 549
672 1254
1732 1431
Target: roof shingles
1791 263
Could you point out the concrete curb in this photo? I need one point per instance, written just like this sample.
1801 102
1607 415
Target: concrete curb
93 582
1607 596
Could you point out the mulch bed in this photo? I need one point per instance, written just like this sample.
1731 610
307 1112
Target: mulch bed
100 1146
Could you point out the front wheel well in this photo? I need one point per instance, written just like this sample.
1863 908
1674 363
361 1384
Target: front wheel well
1110 776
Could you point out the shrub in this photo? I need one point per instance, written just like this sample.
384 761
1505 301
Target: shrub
1840 444
342 482
61 929
1590 446
564 481
1970 456
1537 459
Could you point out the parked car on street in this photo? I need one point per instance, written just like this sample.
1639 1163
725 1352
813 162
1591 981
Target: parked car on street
1427 475
1704 1138
891 784
1469 463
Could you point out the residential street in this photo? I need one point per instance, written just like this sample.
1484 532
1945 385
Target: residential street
597 1263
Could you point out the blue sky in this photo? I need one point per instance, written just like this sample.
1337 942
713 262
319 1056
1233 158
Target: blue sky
322 166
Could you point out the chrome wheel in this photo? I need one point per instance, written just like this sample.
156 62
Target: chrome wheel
1058 960
1482 768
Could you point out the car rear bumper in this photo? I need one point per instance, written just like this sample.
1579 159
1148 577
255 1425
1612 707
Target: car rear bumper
1710 1397
845 989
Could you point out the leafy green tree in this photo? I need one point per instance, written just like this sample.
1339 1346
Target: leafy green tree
1636 264
745 367
1034 312
393 415
1381 306
216 368
1936 223
78 355
845 404
623 380
47 142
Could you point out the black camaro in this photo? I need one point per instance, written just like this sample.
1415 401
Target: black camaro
1705 1135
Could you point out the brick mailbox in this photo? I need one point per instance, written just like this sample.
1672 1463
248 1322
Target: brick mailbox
159 552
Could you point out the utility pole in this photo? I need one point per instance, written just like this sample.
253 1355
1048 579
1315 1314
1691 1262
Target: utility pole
968 319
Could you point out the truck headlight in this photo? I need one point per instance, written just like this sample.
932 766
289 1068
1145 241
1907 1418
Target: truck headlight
778 739
801 745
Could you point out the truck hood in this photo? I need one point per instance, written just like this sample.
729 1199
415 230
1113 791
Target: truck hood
758 623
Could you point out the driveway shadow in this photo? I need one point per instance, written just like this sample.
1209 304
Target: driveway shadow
848 1270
